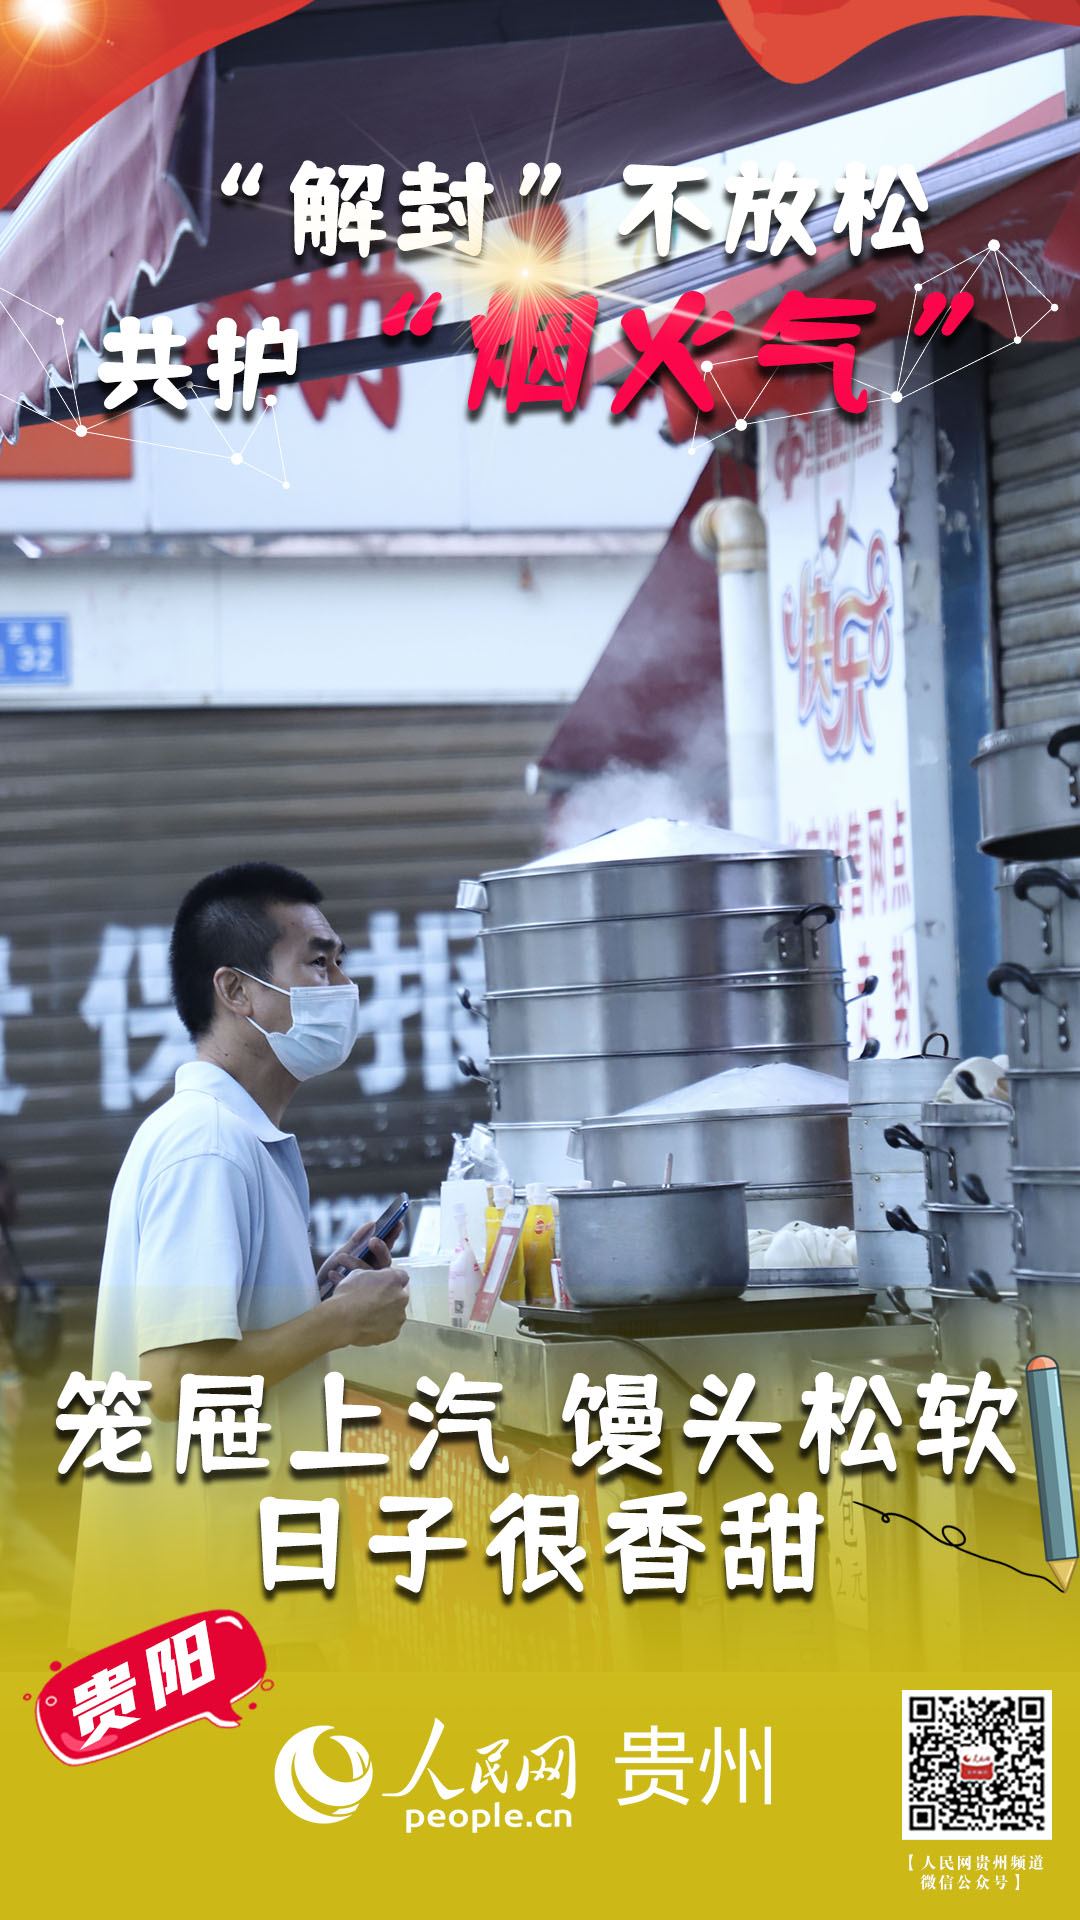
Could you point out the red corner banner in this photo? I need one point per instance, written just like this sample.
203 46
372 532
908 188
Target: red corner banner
799 40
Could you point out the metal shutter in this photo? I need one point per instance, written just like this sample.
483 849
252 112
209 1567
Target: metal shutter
109 816
1035 439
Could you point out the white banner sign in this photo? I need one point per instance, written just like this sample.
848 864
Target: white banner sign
837 635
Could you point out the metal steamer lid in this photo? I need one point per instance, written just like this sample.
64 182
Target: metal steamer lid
669 1119
785 854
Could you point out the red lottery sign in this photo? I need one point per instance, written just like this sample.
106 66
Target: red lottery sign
187 1669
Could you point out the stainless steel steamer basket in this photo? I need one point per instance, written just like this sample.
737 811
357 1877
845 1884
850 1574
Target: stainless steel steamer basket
1049 1204
662 947
778 1011
958 1142
1040 914
536 1152
977 1334
624 889
1029 791
1046 1106
888 1259
969 1239
635 1245
1053 1301
1042 1014
570 1087
789 1147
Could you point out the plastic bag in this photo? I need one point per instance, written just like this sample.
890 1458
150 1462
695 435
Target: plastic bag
476 1157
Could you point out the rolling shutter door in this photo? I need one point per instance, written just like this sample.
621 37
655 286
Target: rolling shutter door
108 818
1035 464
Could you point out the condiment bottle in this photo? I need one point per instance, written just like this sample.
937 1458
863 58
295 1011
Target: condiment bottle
538 1245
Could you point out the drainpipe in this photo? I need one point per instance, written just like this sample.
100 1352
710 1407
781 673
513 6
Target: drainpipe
731 532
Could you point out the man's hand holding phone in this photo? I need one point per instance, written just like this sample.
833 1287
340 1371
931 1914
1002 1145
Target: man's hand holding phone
363 1286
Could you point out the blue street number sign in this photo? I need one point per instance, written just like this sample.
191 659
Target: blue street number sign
35 650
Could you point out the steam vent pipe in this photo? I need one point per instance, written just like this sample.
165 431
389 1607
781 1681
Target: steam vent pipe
732 532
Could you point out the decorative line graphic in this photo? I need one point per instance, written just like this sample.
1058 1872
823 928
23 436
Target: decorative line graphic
959 1545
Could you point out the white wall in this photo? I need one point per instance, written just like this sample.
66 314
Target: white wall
251 632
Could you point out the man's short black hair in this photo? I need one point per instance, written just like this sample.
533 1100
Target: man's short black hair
224 921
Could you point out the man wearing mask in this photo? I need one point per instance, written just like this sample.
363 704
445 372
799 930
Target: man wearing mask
207 1267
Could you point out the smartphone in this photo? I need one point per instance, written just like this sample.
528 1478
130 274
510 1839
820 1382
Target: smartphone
385 1223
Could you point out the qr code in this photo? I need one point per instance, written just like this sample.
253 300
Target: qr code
977 1764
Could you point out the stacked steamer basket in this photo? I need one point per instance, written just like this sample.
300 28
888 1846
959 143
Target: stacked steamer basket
889 1188
1029 786
971 1227
612 981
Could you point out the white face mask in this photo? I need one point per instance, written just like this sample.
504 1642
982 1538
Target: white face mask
324 1030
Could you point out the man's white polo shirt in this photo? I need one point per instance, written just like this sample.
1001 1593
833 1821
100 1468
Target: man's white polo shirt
208 1237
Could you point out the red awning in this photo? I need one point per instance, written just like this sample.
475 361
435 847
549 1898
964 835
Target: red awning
107 213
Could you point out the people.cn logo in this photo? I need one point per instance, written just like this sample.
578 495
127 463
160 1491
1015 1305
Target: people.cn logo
311 1793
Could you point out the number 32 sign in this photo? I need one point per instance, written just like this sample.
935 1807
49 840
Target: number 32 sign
34 650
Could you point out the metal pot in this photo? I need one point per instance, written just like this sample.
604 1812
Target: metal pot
1049 1204
1046 1125
767 1010
788 1147
1042 1014
1029 791
536 1152
571 1086
636 1245
958 1142
1040 914
664 947
623 889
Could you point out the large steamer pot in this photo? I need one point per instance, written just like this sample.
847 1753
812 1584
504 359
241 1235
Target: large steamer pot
570 1087
778 1011
637 1245
1046 1108
664 947
978 1335
885 1094
1029 791
1049 1205
961 1142
623 889
1042 1014
1040 914
536 1153
788 1147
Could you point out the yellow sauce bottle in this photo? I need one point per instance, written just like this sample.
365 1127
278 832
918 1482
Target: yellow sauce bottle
538 1245
514 1287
